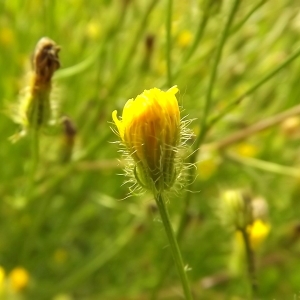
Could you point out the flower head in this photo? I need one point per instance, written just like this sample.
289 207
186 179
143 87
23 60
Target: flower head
150 129
235 209
35 109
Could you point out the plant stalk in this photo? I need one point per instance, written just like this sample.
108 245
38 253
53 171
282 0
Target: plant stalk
169 41
35 147
250 263
174 245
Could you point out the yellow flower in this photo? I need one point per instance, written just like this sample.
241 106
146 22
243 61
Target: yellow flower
19 279
150 130
184 39
246 149
2 279
7 37
208 165
93 29
258 232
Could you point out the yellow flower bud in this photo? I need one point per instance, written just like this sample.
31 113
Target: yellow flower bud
235 209
150 129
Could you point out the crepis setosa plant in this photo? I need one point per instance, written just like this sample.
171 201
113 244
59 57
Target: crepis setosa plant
153 136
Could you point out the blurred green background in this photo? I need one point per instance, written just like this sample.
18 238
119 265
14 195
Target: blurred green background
78 235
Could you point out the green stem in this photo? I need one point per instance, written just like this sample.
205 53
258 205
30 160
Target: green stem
198 38
131 50
245 19
256 127
265 165
164 273
34 161
29 189
168 41
204 128
174 245
121 71
250 263
258 84
194 46
221 42
95 262
35 148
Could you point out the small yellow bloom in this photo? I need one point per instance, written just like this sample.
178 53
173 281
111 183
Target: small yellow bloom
150 130
19 279
93 30
246 149
7 37
208 165
184 38
258 232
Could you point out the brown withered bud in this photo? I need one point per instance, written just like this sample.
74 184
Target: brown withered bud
148 51
149 43
45 60
69 130
69 134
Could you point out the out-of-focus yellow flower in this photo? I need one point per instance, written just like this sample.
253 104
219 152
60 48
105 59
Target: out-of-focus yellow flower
150 129
2 279
93 30
19 279
6 37
207 165
184 38
258 231
246 149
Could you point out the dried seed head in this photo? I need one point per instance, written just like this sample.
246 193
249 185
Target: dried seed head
35 109
45 60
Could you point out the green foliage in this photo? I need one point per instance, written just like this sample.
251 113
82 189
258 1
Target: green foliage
71 224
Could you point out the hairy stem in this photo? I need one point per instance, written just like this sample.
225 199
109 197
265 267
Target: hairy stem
173 245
